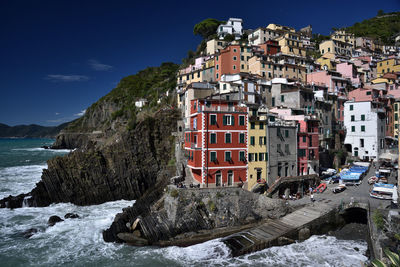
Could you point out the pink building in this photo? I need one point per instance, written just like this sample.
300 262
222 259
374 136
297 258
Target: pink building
330 79
349 71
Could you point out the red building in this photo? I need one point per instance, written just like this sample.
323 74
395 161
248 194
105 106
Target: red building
216 142
270 47
307 143
228 61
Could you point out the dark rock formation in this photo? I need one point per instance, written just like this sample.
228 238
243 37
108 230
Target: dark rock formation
123 167
53 220
180 213
71 216
30 232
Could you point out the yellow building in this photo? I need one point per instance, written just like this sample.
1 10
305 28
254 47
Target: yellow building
258 65
277 27
336 47
291 44
327 63
257 150
345 37
188 77
214 45
396 115
387 65
293 71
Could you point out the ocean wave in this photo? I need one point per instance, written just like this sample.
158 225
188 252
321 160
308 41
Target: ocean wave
35 149
19 179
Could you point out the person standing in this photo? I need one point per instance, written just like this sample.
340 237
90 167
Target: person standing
312 197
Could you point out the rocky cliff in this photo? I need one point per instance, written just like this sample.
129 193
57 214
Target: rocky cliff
188 216
120 151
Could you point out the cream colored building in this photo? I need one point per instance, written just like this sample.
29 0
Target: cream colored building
344 37
291 44
396 120
336 47
214 45
261 35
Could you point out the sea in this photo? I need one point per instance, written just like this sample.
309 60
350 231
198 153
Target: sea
79 242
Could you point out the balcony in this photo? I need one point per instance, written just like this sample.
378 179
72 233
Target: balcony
224 108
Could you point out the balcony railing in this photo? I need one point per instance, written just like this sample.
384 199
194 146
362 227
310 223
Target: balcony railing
223 108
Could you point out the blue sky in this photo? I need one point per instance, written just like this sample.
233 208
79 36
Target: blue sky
58 57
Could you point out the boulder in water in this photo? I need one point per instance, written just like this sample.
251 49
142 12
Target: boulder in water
30 232
53 220
133 239
304 234
71 216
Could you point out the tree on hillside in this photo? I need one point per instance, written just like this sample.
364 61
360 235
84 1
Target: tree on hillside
380 12
206 27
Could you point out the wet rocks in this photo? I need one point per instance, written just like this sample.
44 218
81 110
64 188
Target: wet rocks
124 167
304 234
71 216
30 232
53 220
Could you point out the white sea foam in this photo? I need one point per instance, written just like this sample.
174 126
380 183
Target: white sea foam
20 179
35 149
72 241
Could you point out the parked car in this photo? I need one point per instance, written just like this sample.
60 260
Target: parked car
372 180
339 188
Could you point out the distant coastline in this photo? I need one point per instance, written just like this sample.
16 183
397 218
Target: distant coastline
30 131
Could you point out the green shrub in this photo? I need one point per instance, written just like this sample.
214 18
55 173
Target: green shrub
211 206
174 193
377 217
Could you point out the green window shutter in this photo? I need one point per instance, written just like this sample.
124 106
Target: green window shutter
363 117
224 120
252 140
265 140
396 116
233 120
287 133
261 125
242 156
241 138
252 125
351 107
353 128
282 98
213 139
266 156
241 120
255 157
362 128
352 117
213 156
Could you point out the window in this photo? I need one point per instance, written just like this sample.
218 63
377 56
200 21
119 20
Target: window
302 152
234 58
213 138
252 140
224 86
241 138
351 107
362 117
228 138
217 75
261 156
396 107
213 156
396 116
273 101
242 156
217 66
251 157
228 120
353 129
261 125
361 142
352 117
213 119
304 139
234 50
287 149
241 120
260 140
255 156
368 93
241 57
362 128
282 98
252 125
286 133
234 67
228 156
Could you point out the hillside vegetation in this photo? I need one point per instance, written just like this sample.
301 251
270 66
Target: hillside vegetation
151 84
382 27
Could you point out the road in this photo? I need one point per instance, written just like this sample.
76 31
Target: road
359 193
